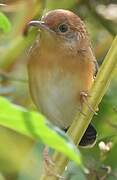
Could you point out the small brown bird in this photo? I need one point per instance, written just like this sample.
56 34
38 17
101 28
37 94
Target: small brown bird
61 69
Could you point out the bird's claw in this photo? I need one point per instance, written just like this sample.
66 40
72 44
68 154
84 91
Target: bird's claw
48 164
83 98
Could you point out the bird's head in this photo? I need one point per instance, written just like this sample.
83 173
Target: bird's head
62 29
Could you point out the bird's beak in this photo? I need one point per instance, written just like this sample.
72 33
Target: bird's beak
40 24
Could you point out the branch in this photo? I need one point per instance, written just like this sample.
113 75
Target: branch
81 122
7 77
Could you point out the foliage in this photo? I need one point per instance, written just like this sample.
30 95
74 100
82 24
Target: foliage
34 126
4 23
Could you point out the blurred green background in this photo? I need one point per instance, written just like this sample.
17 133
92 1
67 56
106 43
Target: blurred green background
20 157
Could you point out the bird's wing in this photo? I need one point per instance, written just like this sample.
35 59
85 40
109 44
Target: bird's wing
96 67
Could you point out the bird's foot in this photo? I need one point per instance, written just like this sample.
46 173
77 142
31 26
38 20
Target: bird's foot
49 164
83 99
47 160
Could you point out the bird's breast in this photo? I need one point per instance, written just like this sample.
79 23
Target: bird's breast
55 87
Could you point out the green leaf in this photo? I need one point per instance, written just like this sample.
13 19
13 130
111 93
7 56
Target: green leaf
5 24
34 125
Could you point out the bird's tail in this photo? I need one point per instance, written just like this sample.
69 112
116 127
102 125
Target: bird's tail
89 137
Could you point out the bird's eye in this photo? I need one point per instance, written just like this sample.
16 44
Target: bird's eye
63 28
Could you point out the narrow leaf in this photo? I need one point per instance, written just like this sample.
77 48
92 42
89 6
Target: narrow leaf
35 125
5 24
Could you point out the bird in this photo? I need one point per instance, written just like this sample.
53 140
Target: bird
61 69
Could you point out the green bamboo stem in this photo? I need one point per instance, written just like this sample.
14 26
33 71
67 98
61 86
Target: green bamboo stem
81 122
